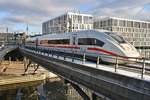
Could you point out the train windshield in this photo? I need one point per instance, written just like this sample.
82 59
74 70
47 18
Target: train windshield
115 36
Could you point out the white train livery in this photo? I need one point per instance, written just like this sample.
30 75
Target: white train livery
93 43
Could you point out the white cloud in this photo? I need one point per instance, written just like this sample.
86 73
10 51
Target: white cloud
123 8
34 12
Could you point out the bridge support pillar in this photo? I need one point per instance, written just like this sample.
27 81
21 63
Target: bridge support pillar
0 62
9 60
79 90
36 67
27 63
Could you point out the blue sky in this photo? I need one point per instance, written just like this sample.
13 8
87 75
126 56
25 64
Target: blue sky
17 14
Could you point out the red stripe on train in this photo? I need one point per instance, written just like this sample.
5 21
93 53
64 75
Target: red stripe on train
102 50
63 46
77 47
106 51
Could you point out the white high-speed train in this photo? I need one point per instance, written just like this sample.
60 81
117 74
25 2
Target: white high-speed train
93 43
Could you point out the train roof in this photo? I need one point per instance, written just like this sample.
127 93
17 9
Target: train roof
89 33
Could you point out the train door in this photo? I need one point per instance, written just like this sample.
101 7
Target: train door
74 42
74 39
36 43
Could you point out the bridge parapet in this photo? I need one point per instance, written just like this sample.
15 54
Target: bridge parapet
6 50
110 84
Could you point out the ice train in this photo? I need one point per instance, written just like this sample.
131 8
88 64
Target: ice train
93 43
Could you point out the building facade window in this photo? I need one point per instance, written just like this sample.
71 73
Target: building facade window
65 23
114 22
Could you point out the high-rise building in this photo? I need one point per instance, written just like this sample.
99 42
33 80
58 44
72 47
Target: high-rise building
6 38
68 22
135 31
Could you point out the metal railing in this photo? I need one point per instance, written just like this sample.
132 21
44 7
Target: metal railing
117 61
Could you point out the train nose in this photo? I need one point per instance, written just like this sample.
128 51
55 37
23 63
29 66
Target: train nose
127 47
130 50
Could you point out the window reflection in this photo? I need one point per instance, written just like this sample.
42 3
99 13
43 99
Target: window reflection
90 41
118 38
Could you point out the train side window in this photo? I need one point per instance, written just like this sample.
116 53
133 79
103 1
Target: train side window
62 41
90 41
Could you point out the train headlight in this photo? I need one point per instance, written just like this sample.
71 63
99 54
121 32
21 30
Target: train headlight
126 47
123 47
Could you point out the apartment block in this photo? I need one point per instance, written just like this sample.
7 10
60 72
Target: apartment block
68 22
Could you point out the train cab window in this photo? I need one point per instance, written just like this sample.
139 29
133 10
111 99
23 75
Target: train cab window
90 41
99 43
115 36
